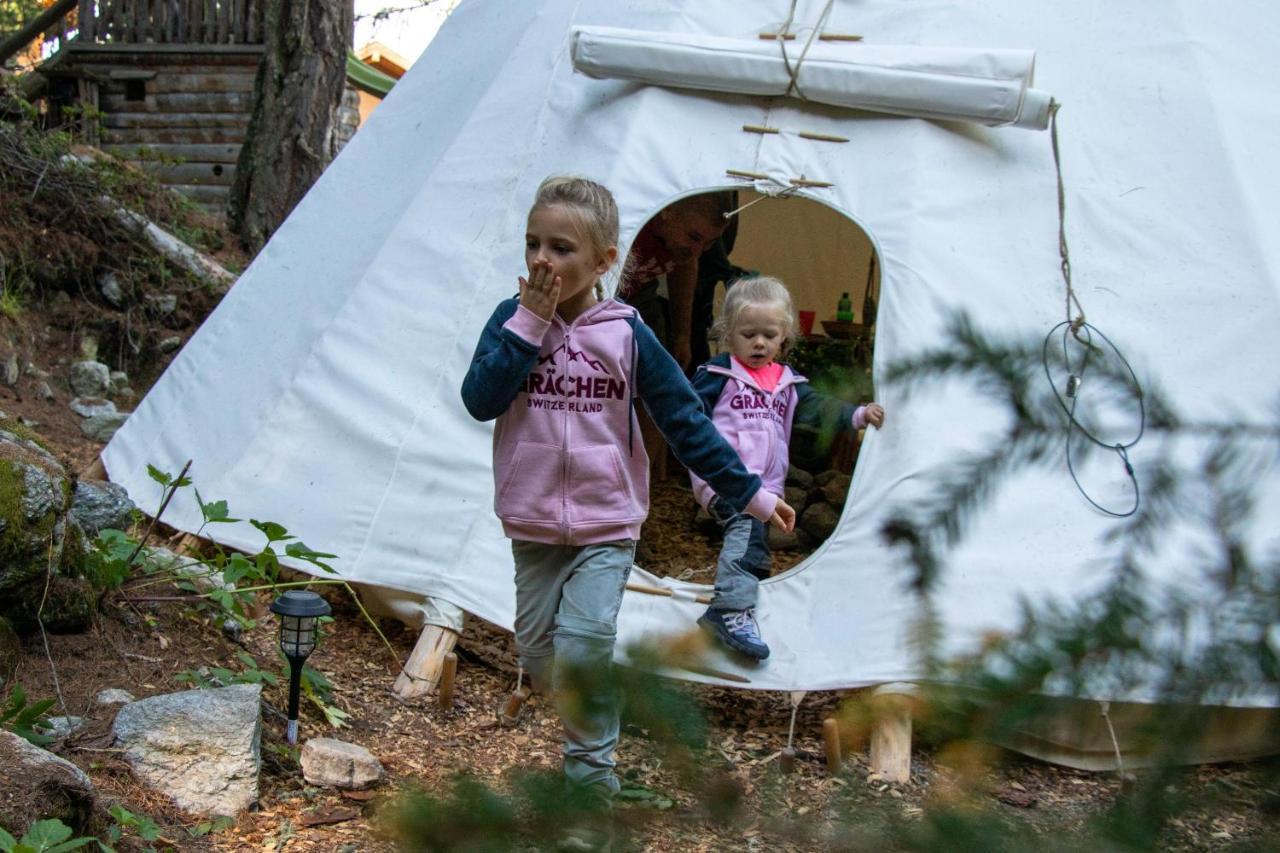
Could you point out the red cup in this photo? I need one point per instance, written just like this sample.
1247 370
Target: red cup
806 323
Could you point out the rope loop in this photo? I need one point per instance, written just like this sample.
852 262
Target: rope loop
793 87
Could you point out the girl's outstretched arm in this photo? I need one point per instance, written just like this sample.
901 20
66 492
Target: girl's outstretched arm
505 355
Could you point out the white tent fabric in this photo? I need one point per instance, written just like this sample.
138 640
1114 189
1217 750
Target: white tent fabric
323 393
987 86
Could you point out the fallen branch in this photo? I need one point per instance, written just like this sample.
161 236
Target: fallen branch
168 246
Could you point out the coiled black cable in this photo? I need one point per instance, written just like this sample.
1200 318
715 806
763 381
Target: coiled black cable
1074 384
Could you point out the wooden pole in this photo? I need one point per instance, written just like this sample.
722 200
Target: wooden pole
423 669
891 706
831 740
510 713
448 674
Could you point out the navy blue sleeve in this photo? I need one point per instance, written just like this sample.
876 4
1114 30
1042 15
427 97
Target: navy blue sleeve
708 386
828 414
677 410
501 362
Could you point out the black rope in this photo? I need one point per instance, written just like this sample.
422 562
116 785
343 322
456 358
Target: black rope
1075 382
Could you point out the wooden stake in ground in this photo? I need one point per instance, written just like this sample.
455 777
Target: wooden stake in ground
892 705
448 674
421 673
831 741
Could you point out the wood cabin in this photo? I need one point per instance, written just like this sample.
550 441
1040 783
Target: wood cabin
172 83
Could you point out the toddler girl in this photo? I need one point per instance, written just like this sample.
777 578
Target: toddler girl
560 369
753 399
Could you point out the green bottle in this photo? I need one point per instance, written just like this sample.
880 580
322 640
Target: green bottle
844 309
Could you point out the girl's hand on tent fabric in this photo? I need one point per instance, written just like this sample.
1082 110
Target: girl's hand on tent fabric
540 293
875 415
784 517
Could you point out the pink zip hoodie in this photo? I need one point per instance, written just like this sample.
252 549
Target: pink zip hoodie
756 422
569 465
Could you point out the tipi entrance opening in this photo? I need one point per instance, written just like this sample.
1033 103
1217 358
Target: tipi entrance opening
823 257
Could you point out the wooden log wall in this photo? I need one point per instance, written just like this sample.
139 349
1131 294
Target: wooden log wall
171 21
181 116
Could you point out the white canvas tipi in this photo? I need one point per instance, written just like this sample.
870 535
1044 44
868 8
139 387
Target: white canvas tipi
324 391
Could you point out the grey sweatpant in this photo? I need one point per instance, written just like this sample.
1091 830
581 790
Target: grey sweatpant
567 600
744 558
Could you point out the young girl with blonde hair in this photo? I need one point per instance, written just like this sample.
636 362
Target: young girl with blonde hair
560 369
753 399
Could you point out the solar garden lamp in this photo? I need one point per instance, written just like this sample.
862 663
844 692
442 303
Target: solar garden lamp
298 610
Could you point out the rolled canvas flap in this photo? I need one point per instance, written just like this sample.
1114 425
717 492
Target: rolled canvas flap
981 85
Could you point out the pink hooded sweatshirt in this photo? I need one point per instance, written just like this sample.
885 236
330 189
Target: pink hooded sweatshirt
757 422
569 464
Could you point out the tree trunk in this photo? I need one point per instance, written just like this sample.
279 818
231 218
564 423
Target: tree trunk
298 91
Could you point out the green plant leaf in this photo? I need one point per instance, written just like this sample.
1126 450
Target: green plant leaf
159 476
273 531
238 568
214 512
316 558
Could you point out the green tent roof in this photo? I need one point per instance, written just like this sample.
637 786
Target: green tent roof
365 76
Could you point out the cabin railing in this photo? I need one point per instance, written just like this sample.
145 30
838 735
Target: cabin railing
187 22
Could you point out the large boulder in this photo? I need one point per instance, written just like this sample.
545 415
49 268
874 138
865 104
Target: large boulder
200 747
99 505
37 534
36 784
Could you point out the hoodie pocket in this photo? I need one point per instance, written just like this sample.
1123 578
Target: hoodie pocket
531 489
756 450
599 489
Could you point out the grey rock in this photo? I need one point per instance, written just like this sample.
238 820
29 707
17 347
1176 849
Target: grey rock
822 479
114 696
119 379
333 763
63 726
102 427
169 344
12 370
90 379
819 520
780 540
43 391
89 348
797 497
41 486
836 489
99 505
200 747
36 784
162 304
33 371
90 407
200 575
232 630
799 478
109 286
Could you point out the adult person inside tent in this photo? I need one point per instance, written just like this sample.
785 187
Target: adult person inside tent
660 278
